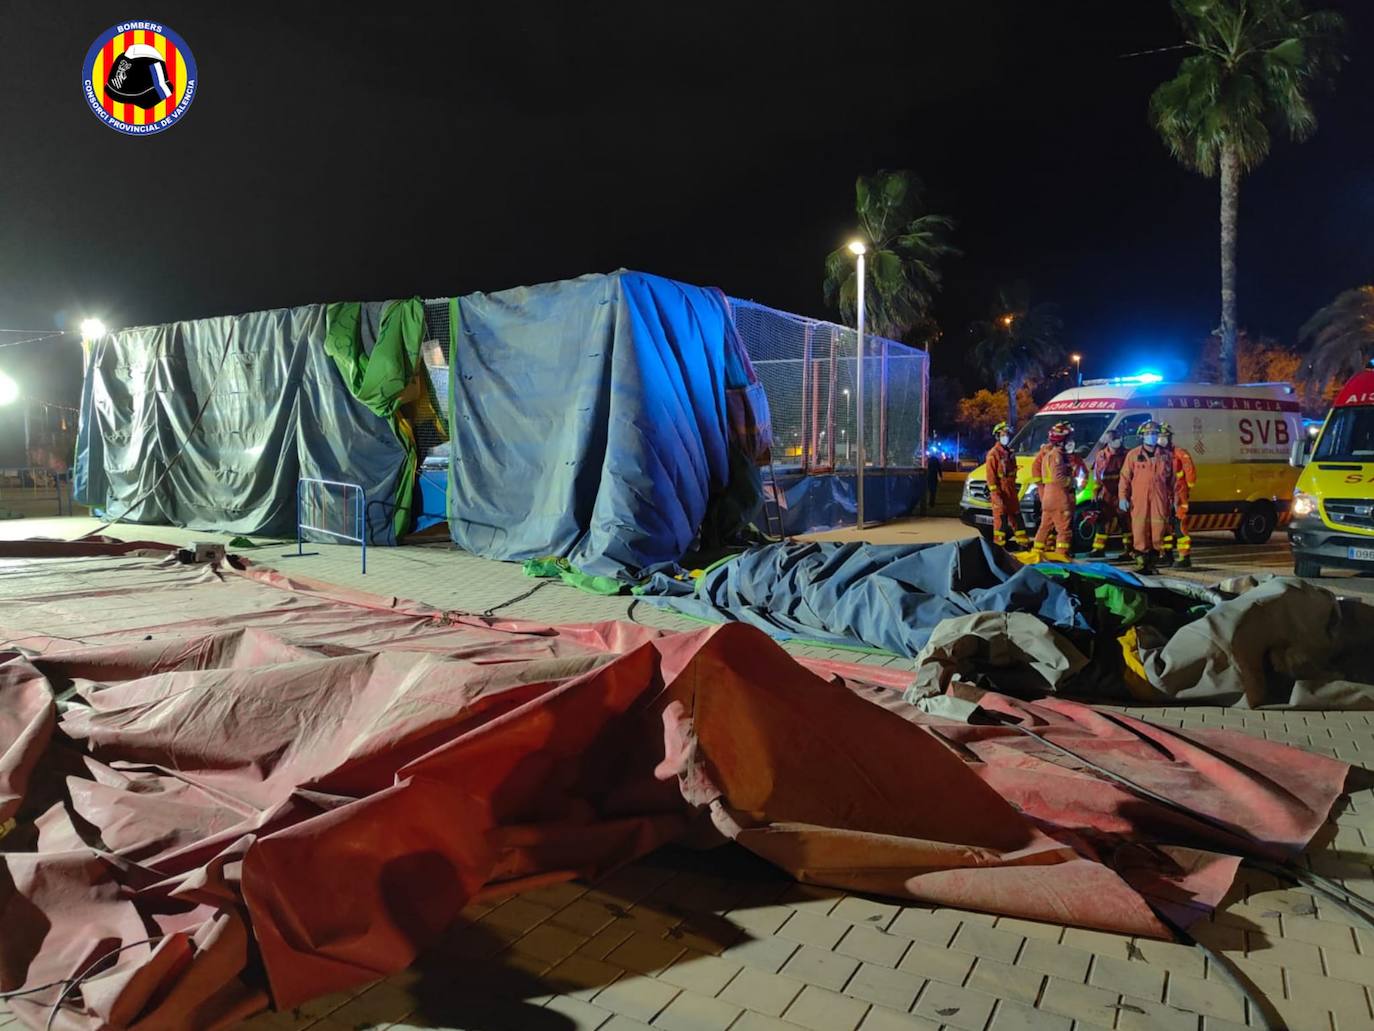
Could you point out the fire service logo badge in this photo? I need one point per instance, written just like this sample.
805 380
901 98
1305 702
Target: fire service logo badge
139 77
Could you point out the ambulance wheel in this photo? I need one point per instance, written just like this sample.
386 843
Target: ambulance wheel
1084 529
1257 523
1307 568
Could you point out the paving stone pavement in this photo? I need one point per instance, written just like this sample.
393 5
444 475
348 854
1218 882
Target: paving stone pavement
719 940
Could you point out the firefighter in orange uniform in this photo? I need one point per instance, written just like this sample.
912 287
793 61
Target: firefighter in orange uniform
1147 494
1185 476
1053 470
1006 506
1106 490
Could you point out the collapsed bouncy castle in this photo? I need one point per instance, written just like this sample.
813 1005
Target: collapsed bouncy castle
612 420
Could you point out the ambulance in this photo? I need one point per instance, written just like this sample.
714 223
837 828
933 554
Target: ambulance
1333 505
1240 437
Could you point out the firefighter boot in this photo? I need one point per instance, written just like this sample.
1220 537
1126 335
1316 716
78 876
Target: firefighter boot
1185 552
1099 546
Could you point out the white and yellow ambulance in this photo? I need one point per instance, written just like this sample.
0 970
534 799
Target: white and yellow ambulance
1241 439
1333 506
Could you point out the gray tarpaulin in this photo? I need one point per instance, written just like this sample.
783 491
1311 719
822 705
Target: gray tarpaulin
1282 644
277 410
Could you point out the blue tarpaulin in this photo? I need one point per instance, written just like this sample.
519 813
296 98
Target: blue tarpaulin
887 596
589 421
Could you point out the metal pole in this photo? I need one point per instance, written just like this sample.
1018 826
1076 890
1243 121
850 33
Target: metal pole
28 458
300 547
859 390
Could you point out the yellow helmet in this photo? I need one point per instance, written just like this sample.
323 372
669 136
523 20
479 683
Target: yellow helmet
1001 428
1149 427
1165 430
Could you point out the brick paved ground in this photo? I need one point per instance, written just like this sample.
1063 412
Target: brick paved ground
695 941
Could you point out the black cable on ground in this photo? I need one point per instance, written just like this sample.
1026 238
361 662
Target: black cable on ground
1347 898
70 982
630 613
518 598
1269 1018
90 969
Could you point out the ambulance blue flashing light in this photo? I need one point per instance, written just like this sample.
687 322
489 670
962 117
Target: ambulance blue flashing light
1142 379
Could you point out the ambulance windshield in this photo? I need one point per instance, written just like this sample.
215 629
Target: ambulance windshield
1349 436
1088 428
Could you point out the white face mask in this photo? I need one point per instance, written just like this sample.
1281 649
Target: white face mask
1004 439
1114 443
1151 439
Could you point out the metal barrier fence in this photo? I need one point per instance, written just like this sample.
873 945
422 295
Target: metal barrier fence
317 507
809 371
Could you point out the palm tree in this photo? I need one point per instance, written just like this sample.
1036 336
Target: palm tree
1341 337
1019 341
906 245
1254 65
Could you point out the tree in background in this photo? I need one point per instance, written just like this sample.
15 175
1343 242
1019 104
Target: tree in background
1254 64
1019 342
1340 338
906 246
1262 360
980 412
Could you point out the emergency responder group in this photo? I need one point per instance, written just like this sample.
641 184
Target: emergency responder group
1149 486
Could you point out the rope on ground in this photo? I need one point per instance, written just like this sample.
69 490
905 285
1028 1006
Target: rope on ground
518 598
630 613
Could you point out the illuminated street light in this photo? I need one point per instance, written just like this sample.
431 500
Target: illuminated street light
92 329
9 390
856 247
1007 320
1078 367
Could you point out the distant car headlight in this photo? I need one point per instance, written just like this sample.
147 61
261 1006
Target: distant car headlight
1303 504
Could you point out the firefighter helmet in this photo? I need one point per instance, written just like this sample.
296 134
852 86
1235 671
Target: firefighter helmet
1060 432
1165 430
1149 427
138 76
1001 428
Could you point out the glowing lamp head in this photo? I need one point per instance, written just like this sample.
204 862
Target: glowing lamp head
1007 320
9 390
857 248
1076 358
92 329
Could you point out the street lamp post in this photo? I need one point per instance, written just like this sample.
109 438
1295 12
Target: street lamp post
857 248
1078 368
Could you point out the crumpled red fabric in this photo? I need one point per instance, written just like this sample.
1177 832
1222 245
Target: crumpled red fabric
293 788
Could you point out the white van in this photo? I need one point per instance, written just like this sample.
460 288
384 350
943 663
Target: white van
1240 439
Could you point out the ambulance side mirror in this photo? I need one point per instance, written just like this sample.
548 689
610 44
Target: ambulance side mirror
1297 454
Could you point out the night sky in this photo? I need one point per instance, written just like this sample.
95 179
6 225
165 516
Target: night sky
332 155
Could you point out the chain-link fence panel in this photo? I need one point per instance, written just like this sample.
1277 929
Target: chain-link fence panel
809 370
